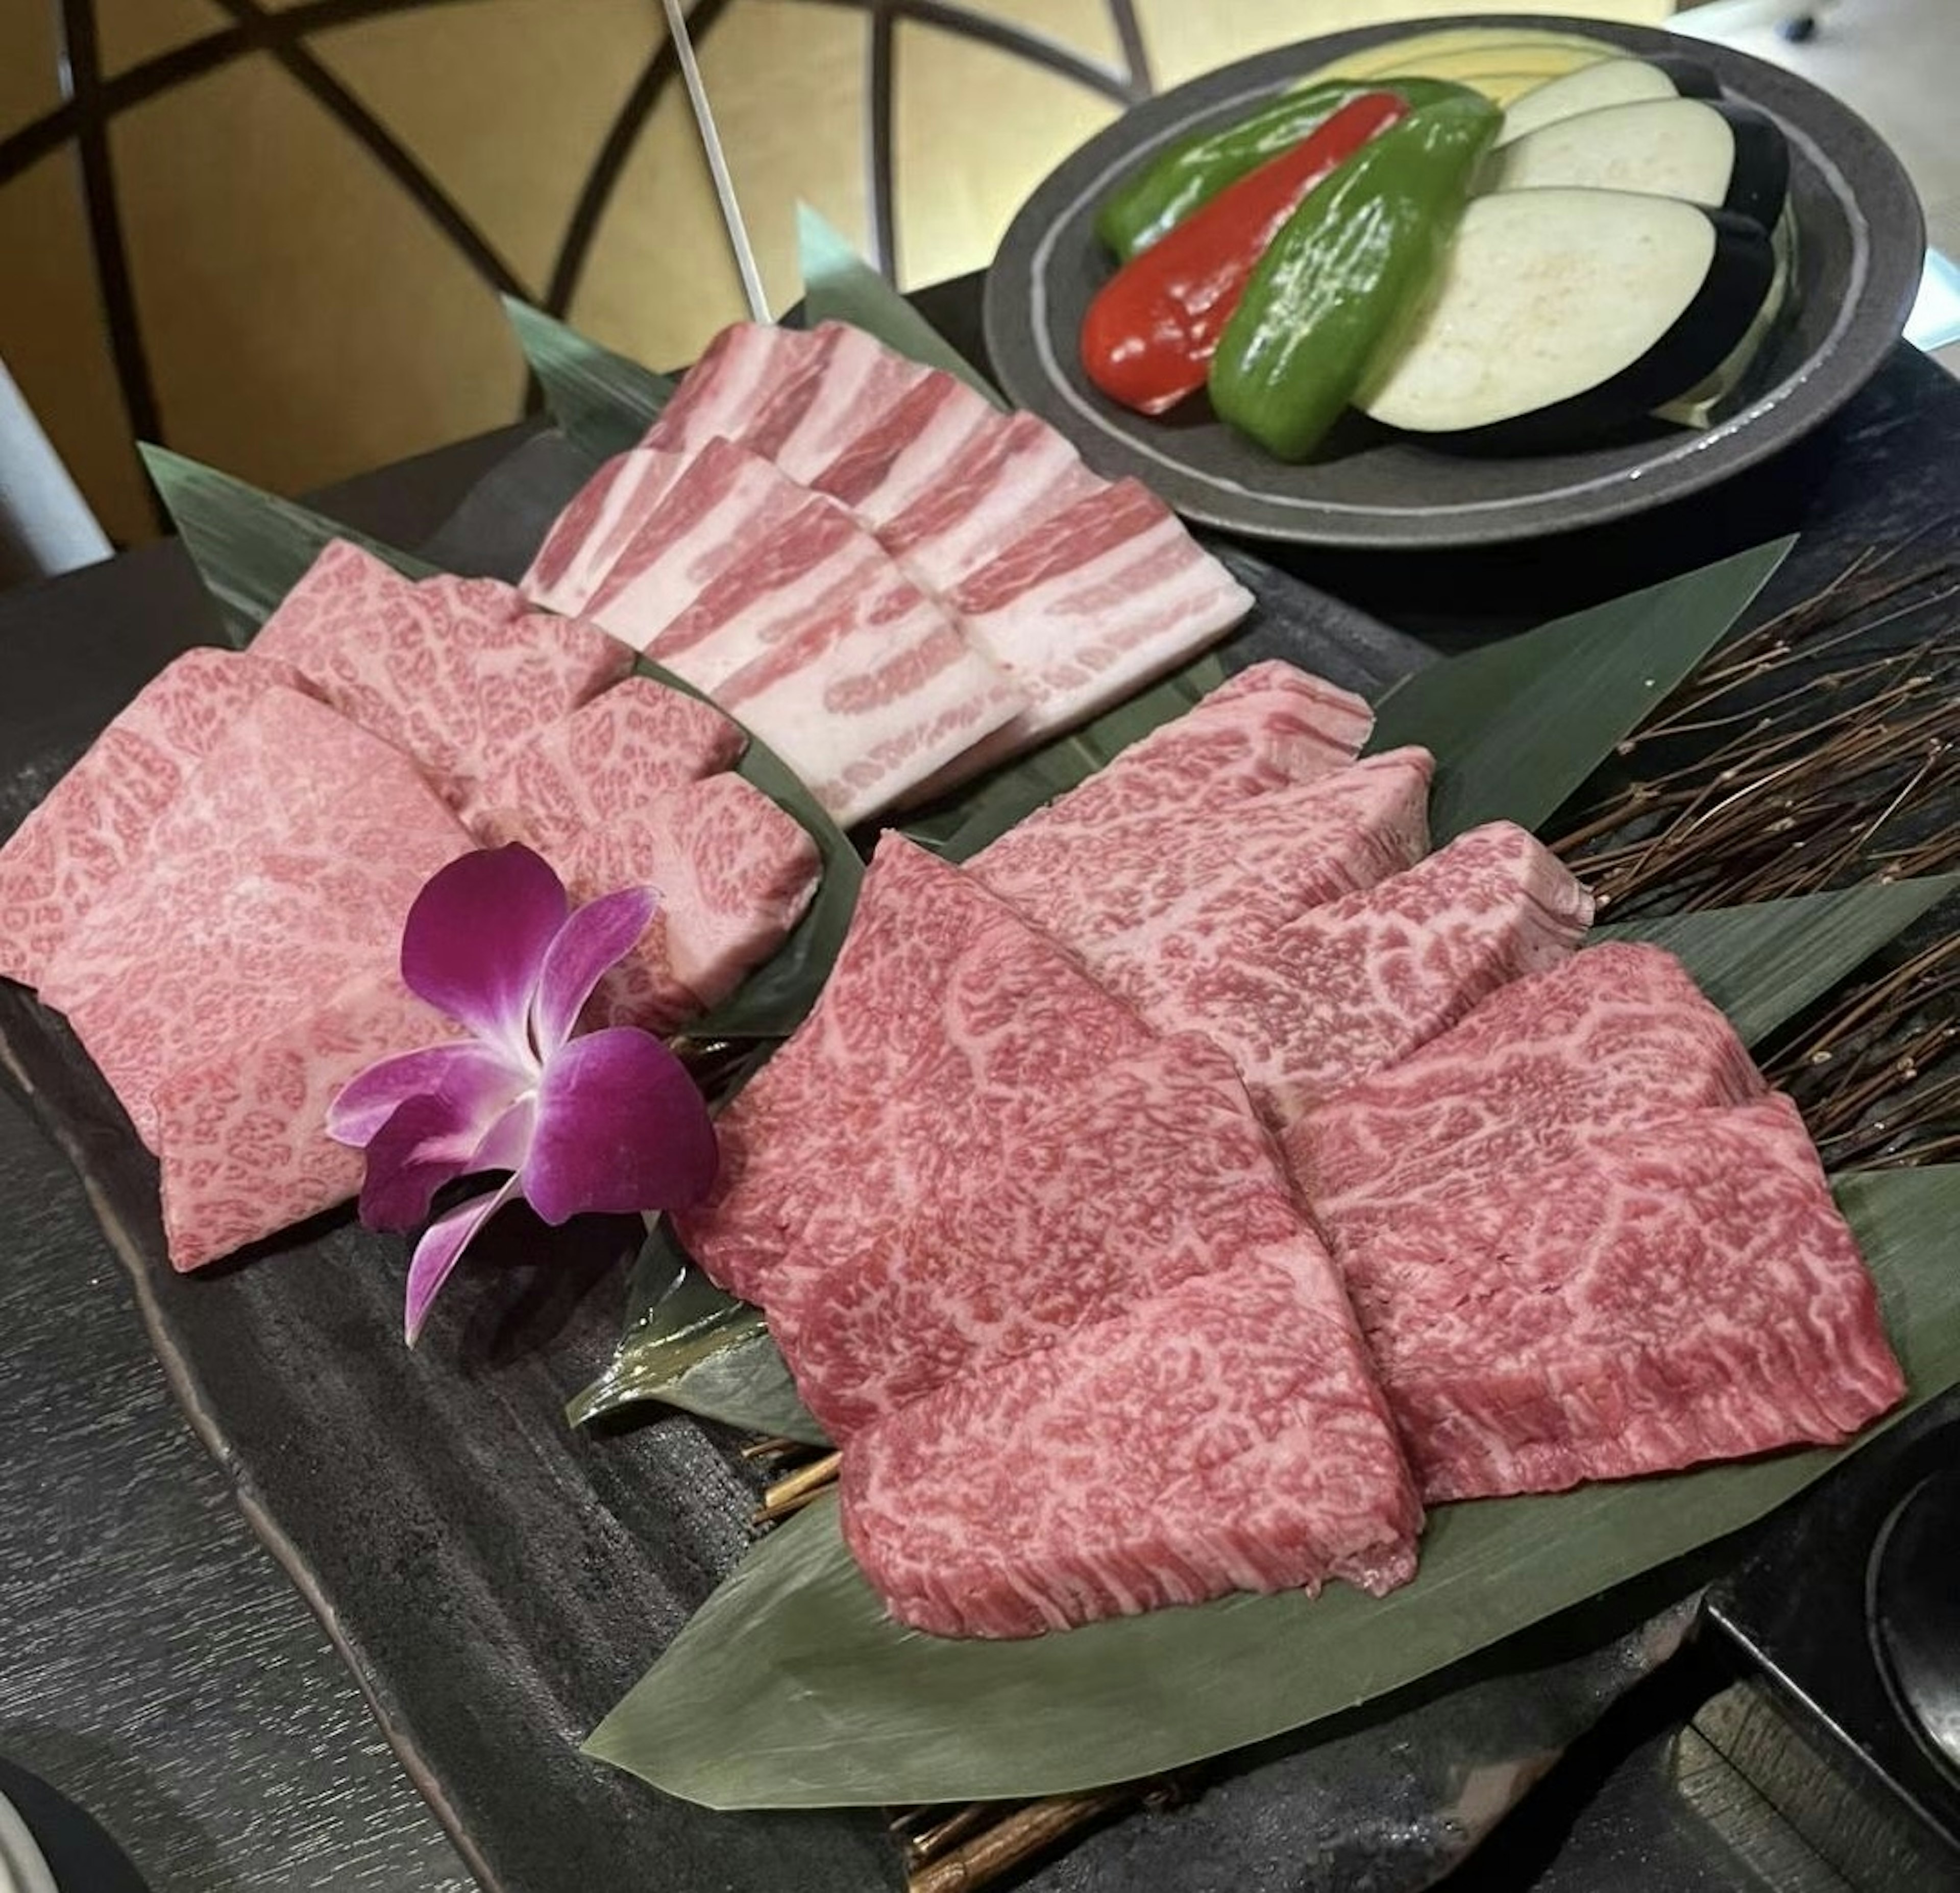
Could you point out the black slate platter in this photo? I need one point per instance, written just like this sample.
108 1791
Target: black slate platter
497 1581
1859 248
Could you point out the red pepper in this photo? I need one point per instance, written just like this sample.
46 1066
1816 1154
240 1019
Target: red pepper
1150 334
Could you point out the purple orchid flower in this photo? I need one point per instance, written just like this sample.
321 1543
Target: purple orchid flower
609 1120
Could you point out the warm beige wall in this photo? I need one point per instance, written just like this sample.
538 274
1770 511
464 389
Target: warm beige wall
303 320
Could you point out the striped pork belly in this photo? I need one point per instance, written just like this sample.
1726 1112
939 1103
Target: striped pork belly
860 383
1617 1037
1226 1435
1355 985
749 371
96 820
897 457
282 870
822 646
459 673
1090 604
597 527
1152 899
1685 1292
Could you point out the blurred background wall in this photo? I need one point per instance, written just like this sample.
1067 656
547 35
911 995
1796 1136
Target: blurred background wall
270 232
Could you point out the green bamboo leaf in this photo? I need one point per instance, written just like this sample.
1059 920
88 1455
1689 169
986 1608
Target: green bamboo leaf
959 828
602 401
689 1344
791 1687
250 548
1517 726
840 286
1763 964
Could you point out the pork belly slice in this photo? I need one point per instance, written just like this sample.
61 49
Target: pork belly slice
1347 988
1064 1204
241 1134
597 526
1150 899
1011 473
284 868
727 509
96 820
1227 1435
458 672
628 745
860 383
1096 602
822 647
734 874
753 380
897 456
941 991
1682 1292
1617 1037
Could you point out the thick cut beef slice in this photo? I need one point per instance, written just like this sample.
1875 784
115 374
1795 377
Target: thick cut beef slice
941 991
1152 901
734 874
284 869
241 1135
1617 1037
1686 1292
597 525
1349 987
628 746
1068 1203
1227 1435
96 821
456 672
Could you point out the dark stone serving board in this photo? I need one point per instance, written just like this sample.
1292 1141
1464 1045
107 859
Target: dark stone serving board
496 1581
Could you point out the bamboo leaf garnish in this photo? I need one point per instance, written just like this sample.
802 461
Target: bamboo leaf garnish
1517 726
1763 963
602 401
251 547
840 286
878 1715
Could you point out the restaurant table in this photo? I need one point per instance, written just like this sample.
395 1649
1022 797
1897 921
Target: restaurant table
155 1665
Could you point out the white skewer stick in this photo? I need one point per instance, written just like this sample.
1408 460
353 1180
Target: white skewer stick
718 164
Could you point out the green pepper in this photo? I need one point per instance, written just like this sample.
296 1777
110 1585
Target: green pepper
1346 274
1173 184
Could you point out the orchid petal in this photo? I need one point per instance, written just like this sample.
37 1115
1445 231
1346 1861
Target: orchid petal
507 1142
464 1070
441 1248
588 946
423 1145
620 1127
477 935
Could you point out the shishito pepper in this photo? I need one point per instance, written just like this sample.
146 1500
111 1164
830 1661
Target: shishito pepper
1172 185
1149 335
1332 295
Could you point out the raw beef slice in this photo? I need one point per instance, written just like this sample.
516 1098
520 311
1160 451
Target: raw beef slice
1068 1203
241 1135
1358 983
97 820
941 991
285 869
1227 1435
1617 1037
628 746
1684 1292
734 874
456 672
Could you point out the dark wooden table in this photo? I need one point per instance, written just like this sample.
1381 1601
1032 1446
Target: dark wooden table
155 1665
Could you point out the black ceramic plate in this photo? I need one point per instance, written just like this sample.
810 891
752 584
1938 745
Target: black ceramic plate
1860 247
